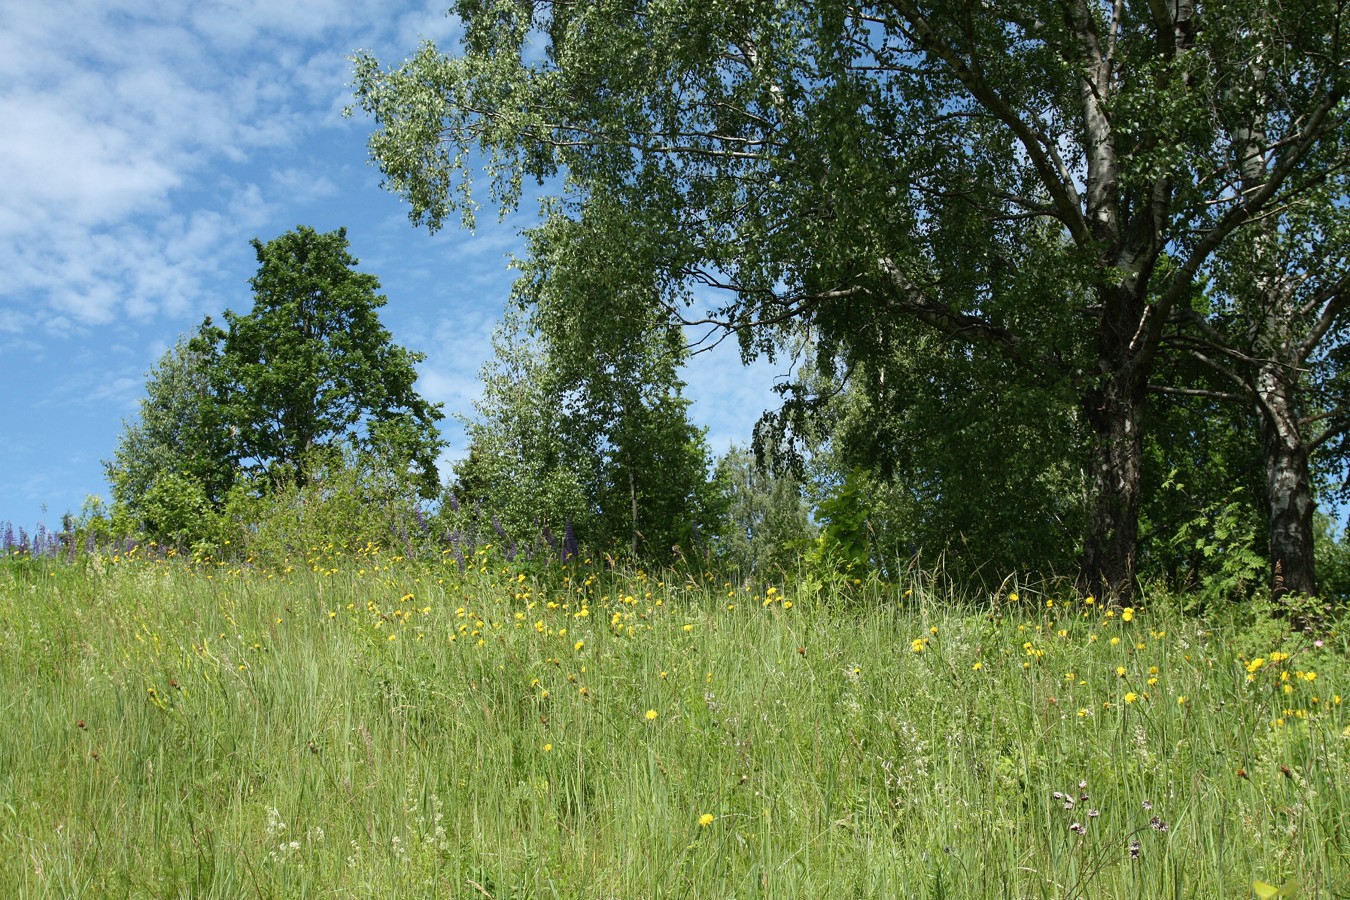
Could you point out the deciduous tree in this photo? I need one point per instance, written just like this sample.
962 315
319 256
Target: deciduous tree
310 368
821 161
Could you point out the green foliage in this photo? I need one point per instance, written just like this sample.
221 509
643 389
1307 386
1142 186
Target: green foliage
176 510
524 475
307 384
343 503
767 521
1015 177
597 439
1333 562
179 431
1222 544
311 367
842 552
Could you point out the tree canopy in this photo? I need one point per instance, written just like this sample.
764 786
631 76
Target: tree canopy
307 376
311 368
1054 181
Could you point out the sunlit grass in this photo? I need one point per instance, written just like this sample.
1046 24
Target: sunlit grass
375 727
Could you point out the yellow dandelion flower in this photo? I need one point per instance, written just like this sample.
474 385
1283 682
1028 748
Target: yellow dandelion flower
578 645
1120 671
548 748
977 667
1127 614
705 820
1131 696
651 715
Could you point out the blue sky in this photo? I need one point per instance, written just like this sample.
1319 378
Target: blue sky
145 144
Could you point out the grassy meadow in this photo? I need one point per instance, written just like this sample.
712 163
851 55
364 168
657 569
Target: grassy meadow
359 725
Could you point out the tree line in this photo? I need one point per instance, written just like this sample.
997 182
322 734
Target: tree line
1065 283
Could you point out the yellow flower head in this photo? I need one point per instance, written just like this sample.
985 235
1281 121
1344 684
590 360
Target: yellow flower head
651 715
705 820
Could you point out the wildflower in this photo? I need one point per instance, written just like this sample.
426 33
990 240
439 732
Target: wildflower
578 645
1078 828
1131 696
705 820
977 667
1120 671
1127 614
1135 848
651 715
548 748
1013 597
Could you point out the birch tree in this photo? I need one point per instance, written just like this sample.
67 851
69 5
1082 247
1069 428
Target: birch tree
816 162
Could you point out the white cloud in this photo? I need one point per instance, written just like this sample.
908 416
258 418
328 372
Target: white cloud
115 115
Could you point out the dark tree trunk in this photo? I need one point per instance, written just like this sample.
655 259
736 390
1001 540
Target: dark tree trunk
1115 413
1289 500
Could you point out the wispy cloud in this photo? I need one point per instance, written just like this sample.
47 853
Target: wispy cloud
113 110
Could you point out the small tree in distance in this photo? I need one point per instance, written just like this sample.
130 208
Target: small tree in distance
311 368
308 377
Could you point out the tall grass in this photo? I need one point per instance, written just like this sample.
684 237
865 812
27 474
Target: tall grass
381 728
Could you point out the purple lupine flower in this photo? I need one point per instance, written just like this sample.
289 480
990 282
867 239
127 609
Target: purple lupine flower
7 542
570 546
453 501
23 540
456 540
497 527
